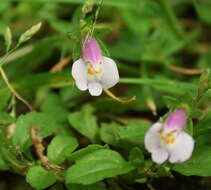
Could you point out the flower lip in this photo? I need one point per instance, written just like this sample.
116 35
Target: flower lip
176 120
91 51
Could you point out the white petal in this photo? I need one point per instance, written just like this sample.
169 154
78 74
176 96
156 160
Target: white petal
152 137
110 75
79 73
160 155
95 88
182 149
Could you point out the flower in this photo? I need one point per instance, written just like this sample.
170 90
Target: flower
94 71
168 140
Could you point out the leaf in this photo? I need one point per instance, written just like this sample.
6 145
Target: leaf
75 156
40 178
53 106
203 126
21 137
60 148
97 166
199 162
3 164
6 118
84 122
136 156
134 131
4 98
108 133
29 33
96 186
8 38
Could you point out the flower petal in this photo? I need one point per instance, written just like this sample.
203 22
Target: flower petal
110 74
182 149
79 73
95 88
160 155
152 137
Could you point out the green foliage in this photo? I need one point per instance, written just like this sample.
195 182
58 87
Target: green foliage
61 148
199 162
40 178
96 166
84 122
24 123
162 51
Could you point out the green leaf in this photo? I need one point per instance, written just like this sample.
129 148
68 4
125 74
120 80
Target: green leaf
3 164
21 137
29 33
108 133
40 178
136 156
53 107
4 98
203 126
96 186
134 131
97 166
6 118
203 10
8 38
200 161
60 148
84 122
75 156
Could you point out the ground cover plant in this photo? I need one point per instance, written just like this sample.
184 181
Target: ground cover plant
105 94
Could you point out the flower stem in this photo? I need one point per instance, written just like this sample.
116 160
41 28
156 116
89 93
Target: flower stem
110 94
14 92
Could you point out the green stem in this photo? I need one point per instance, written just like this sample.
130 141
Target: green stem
14 92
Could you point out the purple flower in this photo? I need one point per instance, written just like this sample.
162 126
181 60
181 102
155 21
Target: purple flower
94 71
168 140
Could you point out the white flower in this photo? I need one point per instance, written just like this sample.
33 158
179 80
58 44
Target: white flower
168 140
94 71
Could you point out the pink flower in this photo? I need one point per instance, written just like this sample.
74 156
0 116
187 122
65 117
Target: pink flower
94 71
168 140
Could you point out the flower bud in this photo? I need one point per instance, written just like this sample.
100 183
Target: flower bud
176 120
91 51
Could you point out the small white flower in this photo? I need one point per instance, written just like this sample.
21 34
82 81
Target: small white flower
168 140
94 71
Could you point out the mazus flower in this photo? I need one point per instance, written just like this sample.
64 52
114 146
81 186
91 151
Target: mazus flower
168 140
93 71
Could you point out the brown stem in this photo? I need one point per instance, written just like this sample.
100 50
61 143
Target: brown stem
39 148
182 70
60 65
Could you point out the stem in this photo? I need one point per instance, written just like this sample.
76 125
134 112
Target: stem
14 92
109 93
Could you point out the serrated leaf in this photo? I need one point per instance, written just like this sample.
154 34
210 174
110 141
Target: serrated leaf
8 38
40 178
60 148
29 33
97 166
84 122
